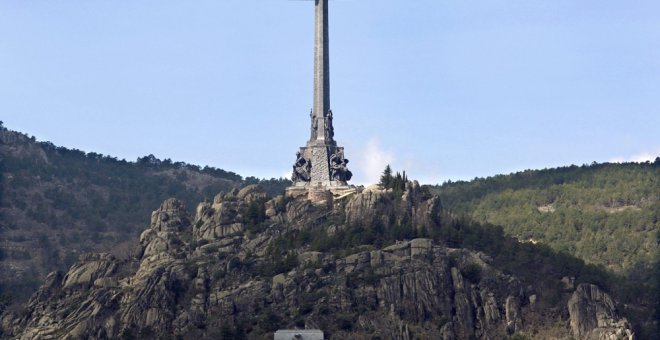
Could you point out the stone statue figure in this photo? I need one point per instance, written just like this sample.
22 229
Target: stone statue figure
339 168
329 130
301 169
315 125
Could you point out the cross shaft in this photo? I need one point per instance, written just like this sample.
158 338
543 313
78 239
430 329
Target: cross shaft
321 107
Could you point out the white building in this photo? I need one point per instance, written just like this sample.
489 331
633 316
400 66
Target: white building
298 334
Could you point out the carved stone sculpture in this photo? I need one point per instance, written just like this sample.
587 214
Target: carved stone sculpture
329 130
314 127
339 169
301 169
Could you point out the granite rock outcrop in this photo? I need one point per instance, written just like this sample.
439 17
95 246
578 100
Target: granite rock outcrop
212 276
593 315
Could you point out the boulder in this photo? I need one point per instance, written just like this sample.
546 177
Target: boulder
593 315
252 193
170 217
513 315
299 210
491 309
219 220
90 268
164 232
275 206
421 247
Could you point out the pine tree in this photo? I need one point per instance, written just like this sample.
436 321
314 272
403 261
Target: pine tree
396 183
386 177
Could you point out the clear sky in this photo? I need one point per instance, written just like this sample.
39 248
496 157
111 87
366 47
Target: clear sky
444 89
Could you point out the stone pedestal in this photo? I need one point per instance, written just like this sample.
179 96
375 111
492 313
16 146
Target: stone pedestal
320 196
300 190
321 157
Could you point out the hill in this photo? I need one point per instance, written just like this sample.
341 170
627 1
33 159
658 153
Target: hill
375 265
245 262
606 214
56 203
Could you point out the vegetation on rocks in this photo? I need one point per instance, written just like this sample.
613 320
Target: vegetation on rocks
396 182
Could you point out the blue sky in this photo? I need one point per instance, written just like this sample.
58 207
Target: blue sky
441 89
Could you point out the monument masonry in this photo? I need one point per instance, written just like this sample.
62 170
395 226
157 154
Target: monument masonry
320 166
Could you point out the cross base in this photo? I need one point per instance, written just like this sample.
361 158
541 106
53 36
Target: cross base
320 192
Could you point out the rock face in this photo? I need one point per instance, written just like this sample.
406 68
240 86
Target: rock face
379 206
101 296
370 207
593 315
166 224
87 201
220 219
208 278
91 268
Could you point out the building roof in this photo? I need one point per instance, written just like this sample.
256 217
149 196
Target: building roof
298 334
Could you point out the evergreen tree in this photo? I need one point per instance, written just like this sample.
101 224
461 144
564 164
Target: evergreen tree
386 177
396 183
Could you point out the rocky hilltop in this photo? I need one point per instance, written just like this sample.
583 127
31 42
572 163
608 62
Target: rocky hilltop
373 265
56 203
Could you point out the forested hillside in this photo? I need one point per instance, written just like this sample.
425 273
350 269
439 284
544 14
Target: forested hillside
56 203
606 214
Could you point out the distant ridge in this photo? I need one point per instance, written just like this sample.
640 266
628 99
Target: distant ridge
607 214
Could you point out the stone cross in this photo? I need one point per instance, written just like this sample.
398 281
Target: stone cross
321 164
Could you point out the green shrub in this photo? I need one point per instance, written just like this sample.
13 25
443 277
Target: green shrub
472 272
